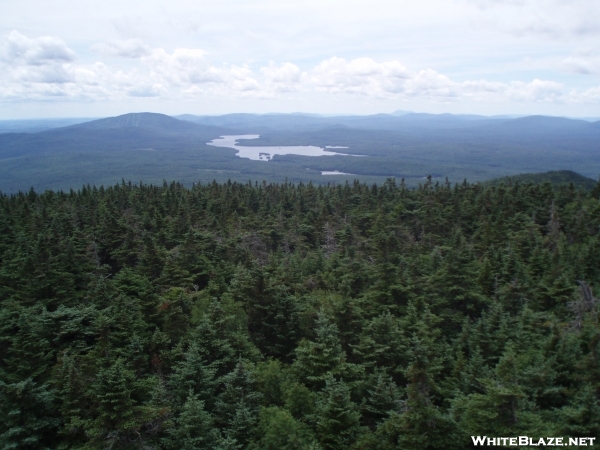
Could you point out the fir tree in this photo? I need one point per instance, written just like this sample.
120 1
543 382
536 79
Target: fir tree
317 360
192 428
337 417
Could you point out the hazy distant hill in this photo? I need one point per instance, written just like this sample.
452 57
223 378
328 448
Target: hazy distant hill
139 120
126 132
152 147
37 125
253 123
556 178
302 122
479 150
149 147
544 124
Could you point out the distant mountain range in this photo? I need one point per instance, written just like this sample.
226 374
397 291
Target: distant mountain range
398 121
152 147
293 120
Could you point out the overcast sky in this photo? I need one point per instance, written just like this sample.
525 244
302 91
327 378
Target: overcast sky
92 58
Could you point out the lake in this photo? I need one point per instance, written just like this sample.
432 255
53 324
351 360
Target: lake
267 153
335 172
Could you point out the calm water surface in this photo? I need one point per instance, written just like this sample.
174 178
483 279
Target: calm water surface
266 153
334 172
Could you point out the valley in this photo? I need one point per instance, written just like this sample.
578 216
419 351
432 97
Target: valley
151 147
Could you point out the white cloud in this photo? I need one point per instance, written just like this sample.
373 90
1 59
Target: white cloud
359 76
536 91
433 85
554 19
186 67
45 69
20 50
129 48
591 95
128 26
464 52
578 65
182 66
484 4
582 64
285 77
40 67
392 80
146 91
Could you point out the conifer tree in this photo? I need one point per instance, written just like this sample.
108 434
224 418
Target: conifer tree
29 419
238 405
421 423
192 428
194 375
278 430
383 399
505 406
317 360
337 417
113 392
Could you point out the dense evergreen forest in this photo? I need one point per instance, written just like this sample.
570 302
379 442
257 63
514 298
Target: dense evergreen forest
280 316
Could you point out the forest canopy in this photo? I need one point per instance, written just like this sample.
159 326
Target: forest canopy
282 316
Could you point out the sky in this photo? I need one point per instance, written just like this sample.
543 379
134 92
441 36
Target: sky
92 58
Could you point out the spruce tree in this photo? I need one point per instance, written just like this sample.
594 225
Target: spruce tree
317 360
29 418
337 417
194 375
193 428
238 405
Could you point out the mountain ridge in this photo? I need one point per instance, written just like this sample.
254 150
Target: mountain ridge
135 120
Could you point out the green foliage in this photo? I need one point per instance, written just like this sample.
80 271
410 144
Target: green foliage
504 406
193 428
238 405
556 178
384 398
233 316
194 375
113 393
29 420
337 417
317 360
279 430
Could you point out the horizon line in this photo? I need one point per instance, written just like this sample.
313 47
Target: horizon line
397 113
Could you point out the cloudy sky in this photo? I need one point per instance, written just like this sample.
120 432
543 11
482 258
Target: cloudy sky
92 58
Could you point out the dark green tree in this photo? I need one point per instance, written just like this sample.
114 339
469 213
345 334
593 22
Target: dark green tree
192 428
337 417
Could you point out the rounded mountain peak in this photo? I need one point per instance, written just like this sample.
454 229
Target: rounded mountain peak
143 119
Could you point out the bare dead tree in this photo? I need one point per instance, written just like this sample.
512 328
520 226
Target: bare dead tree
257 248
553 227
92 252
586 304
330 246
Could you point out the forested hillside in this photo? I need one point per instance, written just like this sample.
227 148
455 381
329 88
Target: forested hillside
555 178
150 147
280 316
